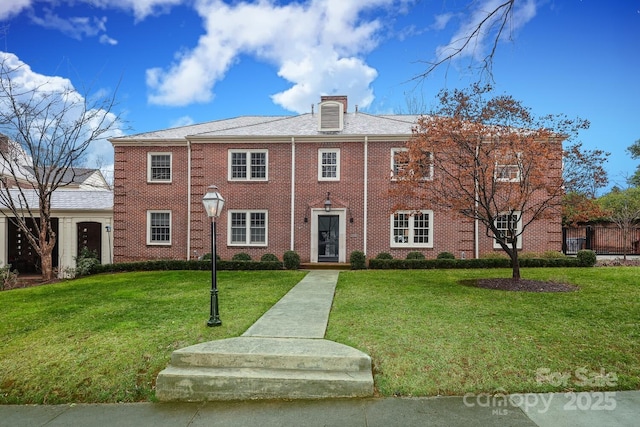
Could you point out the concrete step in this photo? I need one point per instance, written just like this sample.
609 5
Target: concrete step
265 368
196 384
325 266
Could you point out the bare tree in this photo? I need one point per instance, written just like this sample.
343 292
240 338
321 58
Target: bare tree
488 159
49 128
491 24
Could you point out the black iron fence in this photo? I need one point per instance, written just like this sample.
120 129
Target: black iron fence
602 239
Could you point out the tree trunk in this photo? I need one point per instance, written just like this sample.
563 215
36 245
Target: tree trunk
515 264
46 265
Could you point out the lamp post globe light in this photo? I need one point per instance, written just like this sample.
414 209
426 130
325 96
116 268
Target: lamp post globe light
213 204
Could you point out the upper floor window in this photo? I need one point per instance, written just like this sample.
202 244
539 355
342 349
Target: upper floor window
247 228
159 167
400 162
248 165
158 227
509 228
329 164
508 169
412 229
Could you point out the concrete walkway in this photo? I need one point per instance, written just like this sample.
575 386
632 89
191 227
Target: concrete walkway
301 316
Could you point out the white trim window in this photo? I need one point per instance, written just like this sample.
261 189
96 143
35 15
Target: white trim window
510 170
329 164
410 229
400 162
248 165
509 226
247 228
158 227
159 167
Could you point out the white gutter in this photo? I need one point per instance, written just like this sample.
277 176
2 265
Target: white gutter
188 200
366 192
293 191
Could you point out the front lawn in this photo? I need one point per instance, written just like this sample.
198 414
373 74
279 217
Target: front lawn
428 335
104 338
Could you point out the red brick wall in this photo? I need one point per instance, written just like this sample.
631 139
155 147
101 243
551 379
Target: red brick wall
133 196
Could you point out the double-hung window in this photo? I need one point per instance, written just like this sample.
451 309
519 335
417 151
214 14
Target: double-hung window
400 162
509 228
412 229
508 169
158 227
248 228
329 164
248 165
159 167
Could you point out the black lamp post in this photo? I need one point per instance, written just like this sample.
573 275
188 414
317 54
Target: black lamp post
213 204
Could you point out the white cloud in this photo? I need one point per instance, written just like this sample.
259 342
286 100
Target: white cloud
76 27
182 121
27 82
10 8
480 43
317 45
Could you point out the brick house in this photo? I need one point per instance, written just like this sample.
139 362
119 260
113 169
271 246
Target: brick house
316 183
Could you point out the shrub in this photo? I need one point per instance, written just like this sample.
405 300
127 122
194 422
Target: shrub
358 260
8 278
242 256
207 257
415 255
445 255
86 262
384 255
586 258
291 260
269 257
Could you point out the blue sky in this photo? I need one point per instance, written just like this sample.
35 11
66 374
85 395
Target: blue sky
178 62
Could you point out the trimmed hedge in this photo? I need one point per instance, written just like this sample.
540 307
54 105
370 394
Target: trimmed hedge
159 265
470 263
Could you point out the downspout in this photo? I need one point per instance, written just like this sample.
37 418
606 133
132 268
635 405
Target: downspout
188 200
366 193
293 191
476 237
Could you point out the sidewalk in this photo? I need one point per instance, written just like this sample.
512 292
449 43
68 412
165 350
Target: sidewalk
303 313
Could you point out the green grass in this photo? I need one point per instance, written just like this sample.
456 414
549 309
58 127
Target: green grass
105 338
428 335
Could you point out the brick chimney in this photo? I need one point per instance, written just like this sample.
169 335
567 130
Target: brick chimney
4 144
339 98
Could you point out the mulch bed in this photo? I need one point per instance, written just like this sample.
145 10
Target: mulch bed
522 285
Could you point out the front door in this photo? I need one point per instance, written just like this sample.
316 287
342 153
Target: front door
328 238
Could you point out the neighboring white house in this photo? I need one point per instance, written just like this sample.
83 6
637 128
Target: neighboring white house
81 215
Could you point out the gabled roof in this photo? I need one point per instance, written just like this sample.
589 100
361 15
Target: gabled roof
355 124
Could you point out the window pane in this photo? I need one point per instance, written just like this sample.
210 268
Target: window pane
400 161
401 228
330 164
160 227
238 165
161 167
258 227
238 227
421 228
258 165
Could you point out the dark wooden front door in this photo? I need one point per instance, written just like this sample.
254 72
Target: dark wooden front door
90 237
22 256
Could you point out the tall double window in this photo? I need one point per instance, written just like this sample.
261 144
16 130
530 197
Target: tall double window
248 165
247 228
401 161
412 229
